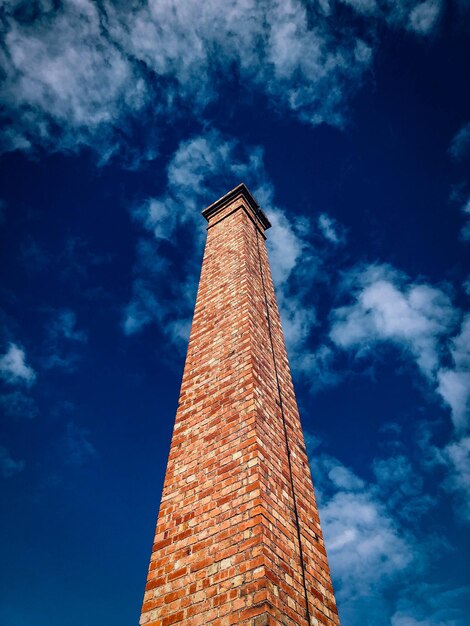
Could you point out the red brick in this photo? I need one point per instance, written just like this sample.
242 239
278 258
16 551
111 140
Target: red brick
226 547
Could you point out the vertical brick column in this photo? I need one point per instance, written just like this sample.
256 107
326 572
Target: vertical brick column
238 537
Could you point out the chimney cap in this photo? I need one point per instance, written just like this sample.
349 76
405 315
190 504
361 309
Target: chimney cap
239 190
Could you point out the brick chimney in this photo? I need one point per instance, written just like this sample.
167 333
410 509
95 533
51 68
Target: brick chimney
238 537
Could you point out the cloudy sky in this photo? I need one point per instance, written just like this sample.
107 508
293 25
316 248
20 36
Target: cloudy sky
120 121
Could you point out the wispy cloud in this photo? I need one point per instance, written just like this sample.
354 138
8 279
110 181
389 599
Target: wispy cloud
33 257
376 546
13 367
317 366
167 304
466 286
465 232
78 448
64 326
402 487
17 404
419 17
62 338
460 144
431 604
424 17
456 457
459 149
9 466
454 382
330 229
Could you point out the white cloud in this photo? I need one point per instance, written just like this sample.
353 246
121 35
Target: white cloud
84 73
388 308
380 549
330 229
466 286
424 16
13 367
454 387
317 366
456 457
460 145
8 466
396 473
419 320
421 18
364 546
370 549
343 478
298 319
67 81
63 326
465 232
76 74
284 244
402 487
454 383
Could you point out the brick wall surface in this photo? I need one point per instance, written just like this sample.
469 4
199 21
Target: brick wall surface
238 537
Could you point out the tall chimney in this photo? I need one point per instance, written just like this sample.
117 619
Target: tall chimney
238 537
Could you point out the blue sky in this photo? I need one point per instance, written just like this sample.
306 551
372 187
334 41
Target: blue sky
350 122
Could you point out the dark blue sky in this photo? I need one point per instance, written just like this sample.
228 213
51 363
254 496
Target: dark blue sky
350 122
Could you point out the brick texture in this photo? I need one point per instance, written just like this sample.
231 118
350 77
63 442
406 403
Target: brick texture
238 537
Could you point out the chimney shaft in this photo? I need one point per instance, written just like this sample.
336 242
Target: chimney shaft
238 537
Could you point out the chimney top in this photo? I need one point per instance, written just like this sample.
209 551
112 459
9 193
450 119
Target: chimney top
241 191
